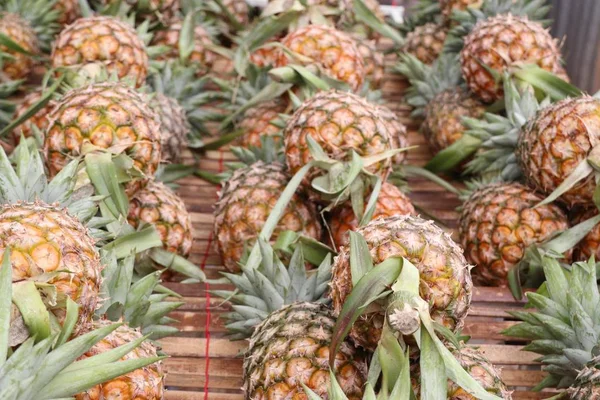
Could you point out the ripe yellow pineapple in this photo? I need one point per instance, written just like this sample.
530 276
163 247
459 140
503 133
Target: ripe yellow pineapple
102 40
443 125
147 383
40 119
158 205
244 205
444 273
45 239
479 367
333 51
555 142
103 116
498 222
499 44
20 32
291 346
256 123
338 122
200 55
426 42
391 202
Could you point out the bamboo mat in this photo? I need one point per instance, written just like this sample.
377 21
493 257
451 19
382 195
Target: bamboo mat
205 365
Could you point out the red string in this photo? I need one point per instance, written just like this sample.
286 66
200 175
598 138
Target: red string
207 306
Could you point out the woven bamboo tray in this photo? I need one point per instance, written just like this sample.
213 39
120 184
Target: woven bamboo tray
205 365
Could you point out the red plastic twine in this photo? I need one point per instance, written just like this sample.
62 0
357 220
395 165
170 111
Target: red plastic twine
207 305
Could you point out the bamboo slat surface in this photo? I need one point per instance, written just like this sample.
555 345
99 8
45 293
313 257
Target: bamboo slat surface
205 365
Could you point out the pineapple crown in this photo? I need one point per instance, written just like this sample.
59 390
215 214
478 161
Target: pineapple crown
40 15
564 328
421 13
270 286
428 81
498 135
535 10
47 364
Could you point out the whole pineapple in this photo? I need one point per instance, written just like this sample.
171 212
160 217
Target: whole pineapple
49 245
555 142
145 383
19 65
244 205
426 42
291 346
159 206
499 44
498 222
257 122
391 202
200 54
338 122
39 120
174 126
105 115
102 40
445 279
333 51
480 368
443 125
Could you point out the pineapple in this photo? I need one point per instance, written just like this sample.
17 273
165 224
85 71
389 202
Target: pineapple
555 142
426 42
449 6
69 11
339 122
245 202
290 347
49 245
102 40
19 31
562 327
500 44
497 224
590 245
391 202
104 116
480 368
151 10
264 56
374 61
145 383
587 383
199 55
159 206
334 52
445 281
174 127
257 122
239 9
39 120
398 133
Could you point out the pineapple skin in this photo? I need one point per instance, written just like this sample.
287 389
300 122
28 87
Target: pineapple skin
391 202
245 203
103 40
500 43
445 278
291 346
480 368
106 115
497 224
146 383
426 42
373 59
590 244
200 55
174 127
334 51
19 31
338 122
40 119
587 383
158 205
45 239
552 145
69 11
256 123
398 133
443 117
